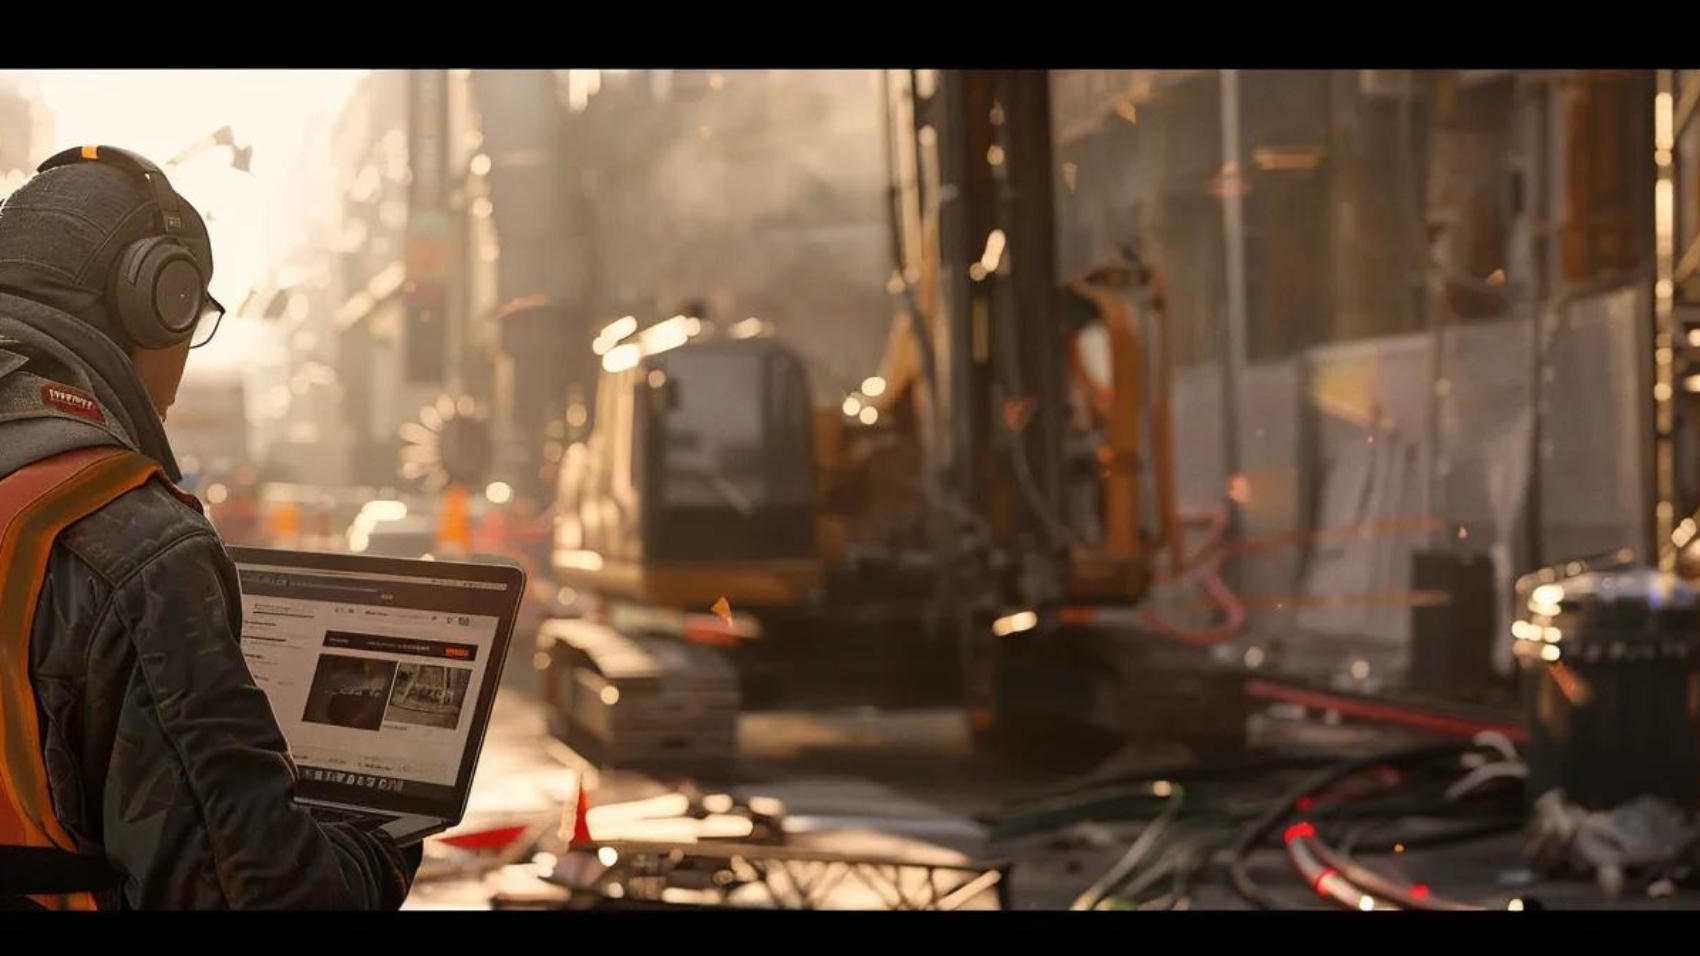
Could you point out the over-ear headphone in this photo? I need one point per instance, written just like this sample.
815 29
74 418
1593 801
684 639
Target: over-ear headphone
157 288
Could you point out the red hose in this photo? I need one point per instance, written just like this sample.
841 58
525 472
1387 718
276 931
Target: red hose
1447 725
1205 563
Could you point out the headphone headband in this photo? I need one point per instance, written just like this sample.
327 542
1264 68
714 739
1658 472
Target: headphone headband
157 288
164 196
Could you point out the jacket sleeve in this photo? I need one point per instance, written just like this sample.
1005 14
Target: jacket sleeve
198 809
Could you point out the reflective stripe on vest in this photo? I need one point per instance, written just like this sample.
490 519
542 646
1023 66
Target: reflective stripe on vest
37 502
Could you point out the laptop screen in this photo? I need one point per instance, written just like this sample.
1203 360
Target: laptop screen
381 672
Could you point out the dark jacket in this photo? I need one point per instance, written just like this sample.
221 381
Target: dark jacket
161 753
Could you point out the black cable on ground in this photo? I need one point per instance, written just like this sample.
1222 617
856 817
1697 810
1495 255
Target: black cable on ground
1254 834
1369 883
1187 849
1141 847
1190 770
1492 811
1404 806
1437 838
1123 792
1191 853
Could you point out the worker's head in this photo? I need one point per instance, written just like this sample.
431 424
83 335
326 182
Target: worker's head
99 234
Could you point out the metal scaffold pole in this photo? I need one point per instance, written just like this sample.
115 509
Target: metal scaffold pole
1233 235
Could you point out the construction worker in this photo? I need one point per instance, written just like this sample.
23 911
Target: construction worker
141 766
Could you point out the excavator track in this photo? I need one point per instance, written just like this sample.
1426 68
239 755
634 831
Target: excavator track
639 701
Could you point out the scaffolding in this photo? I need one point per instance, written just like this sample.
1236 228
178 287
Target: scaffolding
1405 296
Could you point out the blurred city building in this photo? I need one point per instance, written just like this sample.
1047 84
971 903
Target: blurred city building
26 133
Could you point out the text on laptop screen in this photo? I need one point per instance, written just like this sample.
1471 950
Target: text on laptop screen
373 677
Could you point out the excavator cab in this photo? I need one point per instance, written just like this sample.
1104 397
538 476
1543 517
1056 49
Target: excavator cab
730 453
696 482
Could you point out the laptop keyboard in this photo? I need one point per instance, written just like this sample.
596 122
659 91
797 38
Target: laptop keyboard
362 821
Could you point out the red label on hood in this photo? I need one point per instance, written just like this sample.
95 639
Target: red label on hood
72 401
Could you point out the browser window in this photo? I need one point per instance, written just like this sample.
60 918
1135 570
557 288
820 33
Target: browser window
373 677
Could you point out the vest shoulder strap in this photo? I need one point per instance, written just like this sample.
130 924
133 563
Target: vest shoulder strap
37 502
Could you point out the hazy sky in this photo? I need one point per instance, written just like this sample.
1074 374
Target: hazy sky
160 112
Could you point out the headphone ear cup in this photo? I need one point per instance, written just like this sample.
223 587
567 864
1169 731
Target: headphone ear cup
157 291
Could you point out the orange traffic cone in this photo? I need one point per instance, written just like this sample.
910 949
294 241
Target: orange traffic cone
454 534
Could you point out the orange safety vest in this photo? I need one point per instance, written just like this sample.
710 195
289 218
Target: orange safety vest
37 502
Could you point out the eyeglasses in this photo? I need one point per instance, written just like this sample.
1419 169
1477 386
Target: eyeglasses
212 314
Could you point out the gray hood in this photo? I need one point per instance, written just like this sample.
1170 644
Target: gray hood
64 385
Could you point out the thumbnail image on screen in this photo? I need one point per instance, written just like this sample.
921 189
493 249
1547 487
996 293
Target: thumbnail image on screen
349 692
429 694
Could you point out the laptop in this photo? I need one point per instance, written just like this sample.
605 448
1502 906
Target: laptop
382 673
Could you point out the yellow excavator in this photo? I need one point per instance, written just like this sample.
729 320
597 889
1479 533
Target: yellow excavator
727 542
